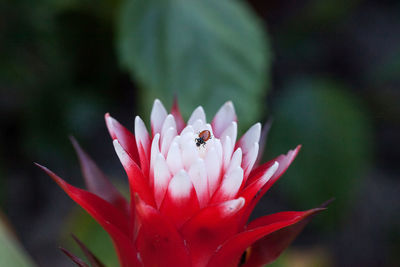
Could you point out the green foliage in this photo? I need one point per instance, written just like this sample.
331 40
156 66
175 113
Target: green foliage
205 52
11 253
335 133
92 235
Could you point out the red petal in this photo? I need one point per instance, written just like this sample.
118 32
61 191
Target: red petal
97 182
110 218
123 135
180 123
269 248
209 228
137 181
229 253
180 201
253 194
158 241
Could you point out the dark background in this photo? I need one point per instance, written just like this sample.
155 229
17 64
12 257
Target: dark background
339 60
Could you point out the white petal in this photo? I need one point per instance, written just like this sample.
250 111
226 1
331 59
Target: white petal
198 175
213 167
157 116
189 152
169 122
179 186
250 137
155 150
198 126
268 174
141 135
169 135
227 151
232 206
218 148
198 114
249 159
236 161
187 129
126 161
162 176
225 115
174 158
230 131
230 186
209 128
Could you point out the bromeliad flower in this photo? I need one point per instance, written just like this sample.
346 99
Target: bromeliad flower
192 190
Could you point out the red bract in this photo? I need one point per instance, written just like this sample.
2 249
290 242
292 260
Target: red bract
189 204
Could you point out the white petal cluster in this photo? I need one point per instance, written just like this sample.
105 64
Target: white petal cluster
216 170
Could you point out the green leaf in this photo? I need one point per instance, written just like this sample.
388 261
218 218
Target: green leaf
205 52
336 136
11 252
91 234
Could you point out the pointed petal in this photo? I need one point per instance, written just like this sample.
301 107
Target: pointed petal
143 144
187 129
162 176
252 191
96 181
230 186
209 228
180 202
249 138
169 122
227 151
157 116
230 131
236 160
213 167
167 140
93 260
218 149
137 182
198 114
224 117
268 248
249 159
284 163
198 126
124 137
158 242
229 254
263 140
155 150
180 123
190 152
100 209
174 158
79 262
198 175
111 219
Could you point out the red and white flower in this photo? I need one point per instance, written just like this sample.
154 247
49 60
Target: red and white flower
189 205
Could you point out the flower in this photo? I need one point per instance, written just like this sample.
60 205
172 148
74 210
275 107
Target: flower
189 203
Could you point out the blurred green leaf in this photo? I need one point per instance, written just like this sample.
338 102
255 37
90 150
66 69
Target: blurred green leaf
336 137
11 253
92 235
206 52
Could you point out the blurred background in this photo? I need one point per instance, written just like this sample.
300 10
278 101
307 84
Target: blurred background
326 71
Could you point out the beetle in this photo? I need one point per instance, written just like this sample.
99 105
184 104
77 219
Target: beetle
203 137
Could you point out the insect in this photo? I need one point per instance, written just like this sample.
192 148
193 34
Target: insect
203 137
